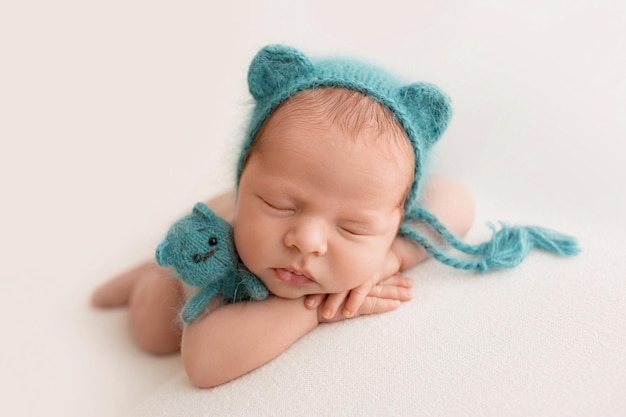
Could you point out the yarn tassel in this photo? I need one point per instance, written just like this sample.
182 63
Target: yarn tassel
507 248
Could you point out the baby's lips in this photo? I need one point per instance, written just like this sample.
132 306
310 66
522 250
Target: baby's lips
291 277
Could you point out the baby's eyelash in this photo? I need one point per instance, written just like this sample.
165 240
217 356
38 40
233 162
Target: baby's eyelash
272 206
352 231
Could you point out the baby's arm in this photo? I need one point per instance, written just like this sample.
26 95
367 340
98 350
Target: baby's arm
235 339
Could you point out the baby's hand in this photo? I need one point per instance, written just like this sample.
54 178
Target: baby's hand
368 298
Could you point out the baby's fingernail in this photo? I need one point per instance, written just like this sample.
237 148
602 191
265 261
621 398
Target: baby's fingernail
327 313
310 303
348 313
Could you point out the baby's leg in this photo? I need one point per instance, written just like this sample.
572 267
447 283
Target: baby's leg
452 203
154 296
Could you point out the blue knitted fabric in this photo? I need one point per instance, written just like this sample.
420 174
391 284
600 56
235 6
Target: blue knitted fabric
200 248
279 72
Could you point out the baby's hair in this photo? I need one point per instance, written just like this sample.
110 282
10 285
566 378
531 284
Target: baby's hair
356 114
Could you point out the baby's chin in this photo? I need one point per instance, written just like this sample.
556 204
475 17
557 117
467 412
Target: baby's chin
290 293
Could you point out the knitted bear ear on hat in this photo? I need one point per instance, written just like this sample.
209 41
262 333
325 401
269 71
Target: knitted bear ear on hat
428 107
274 67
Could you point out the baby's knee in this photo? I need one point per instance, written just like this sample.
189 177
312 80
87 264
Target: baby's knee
154 310
158 340
466 209
452 202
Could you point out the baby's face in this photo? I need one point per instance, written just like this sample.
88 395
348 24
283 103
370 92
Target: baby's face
317 212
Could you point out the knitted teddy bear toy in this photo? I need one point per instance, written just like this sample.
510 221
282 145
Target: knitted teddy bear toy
201 250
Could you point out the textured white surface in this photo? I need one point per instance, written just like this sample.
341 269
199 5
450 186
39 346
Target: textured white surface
115 117
545 339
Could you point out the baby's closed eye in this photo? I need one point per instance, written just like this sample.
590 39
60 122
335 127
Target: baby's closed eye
355 230
278 206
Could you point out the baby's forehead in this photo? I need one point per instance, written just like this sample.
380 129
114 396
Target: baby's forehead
353 113
337 105
357 115
352 119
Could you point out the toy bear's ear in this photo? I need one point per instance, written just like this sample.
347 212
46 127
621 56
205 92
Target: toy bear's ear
163 257
429 107
203 210
276 66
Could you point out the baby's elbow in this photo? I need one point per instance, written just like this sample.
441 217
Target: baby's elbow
203 366
197 375
200 373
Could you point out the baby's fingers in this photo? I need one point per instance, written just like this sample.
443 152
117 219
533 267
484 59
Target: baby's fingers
393 288
356 299
398 281
313 301
332 304
374 305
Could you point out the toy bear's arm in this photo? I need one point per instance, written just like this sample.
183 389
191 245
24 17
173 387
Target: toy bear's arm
197 303
255 288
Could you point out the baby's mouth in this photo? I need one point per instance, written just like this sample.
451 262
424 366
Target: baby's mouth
293 277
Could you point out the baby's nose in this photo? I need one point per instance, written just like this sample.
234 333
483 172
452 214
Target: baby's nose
308 236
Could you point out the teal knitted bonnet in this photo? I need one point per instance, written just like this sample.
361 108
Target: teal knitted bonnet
278 72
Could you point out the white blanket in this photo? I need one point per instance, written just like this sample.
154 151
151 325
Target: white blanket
548 338
116 117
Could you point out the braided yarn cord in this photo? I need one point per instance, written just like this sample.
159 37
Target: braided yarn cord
508 246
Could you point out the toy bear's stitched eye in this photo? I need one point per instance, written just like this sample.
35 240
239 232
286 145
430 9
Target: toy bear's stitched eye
213 241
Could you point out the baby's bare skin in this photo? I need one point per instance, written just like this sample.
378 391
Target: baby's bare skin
154 294
316 219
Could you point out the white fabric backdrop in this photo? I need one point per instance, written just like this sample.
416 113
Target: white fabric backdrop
115 117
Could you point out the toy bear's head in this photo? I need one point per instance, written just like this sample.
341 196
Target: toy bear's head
278 72
199 247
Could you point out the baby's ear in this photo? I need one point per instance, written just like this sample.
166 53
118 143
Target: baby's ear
274 67
429 107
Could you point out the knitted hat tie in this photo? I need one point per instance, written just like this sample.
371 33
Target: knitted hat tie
507 248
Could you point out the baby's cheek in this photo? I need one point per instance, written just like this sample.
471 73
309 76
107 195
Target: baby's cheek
257 248
245 243
360 267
